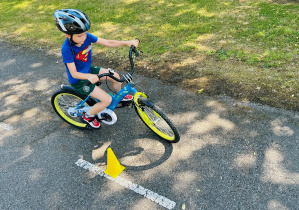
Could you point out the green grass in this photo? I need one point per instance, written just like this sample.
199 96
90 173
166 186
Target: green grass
178 35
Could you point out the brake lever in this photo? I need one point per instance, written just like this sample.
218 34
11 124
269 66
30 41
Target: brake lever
111 71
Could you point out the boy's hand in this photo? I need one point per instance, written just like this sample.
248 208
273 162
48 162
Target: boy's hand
93 78
133 42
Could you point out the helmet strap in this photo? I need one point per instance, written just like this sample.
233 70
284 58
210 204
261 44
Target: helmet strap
72 43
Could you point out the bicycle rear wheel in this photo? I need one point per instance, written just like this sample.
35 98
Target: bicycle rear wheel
65 100
156 120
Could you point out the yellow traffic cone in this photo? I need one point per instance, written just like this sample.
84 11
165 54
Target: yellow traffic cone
113 166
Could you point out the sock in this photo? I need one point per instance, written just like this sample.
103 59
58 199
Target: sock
88 115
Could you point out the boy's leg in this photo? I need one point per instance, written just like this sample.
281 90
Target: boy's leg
105 100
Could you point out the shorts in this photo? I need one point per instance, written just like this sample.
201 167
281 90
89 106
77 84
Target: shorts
79 85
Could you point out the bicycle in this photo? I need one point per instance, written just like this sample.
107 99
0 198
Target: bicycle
70 104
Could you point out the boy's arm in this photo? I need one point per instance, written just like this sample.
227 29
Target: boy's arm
93 78
116 43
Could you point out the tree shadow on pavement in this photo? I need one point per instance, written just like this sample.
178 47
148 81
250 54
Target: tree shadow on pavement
231 155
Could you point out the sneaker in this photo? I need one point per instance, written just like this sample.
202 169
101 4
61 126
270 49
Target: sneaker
127 98
92 121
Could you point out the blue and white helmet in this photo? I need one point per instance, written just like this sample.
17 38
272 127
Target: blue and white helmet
71 21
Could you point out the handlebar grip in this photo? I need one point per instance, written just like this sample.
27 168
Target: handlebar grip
134 50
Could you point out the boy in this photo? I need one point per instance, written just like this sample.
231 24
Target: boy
76 54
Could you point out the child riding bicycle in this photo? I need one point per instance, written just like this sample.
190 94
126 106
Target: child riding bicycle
76 53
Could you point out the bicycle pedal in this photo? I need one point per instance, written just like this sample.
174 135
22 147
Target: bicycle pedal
100 119
124 104
104 117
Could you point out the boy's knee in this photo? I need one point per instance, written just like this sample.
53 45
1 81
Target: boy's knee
107 100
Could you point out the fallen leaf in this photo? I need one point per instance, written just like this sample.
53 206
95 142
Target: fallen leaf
200 91
183 206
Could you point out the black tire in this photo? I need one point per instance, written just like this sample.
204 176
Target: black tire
151 115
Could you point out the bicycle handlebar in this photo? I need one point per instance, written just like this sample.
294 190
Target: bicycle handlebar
111 72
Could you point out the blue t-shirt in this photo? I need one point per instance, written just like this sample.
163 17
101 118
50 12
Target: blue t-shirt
81 56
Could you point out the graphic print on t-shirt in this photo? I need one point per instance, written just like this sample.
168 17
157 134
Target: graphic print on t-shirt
83 55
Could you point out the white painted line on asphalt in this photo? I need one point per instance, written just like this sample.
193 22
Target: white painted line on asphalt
5 126
161 200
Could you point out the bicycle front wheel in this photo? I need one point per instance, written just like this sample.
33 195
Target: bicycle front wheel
157 121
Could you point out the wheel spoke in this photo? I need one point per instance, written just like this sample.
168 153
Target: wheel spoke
158 122
64 102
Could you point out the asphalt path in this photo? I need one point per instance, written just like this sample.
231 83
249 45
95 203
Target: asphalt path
232 155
